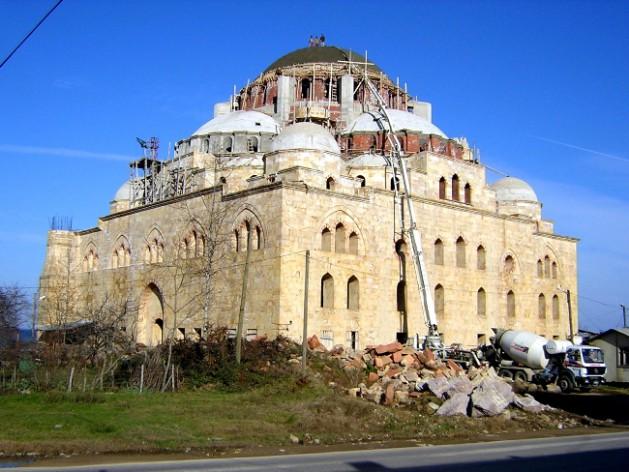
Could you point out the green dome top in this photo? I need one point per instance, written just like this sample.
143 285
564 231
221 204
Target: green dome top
329 54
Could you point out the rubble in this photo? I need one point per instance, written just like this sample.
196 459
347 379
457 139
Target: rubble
401 375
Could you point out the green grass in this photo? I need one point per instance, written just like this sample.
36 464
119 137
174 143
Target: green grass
217 420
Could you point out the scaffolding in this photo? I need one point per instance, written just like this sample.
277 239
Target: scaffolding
153 180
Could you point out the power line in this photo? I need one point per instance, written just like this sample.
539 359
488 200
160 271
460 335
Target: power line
30 33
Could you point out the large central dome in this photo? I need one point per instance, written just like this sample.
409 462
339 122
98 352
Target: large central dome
325 54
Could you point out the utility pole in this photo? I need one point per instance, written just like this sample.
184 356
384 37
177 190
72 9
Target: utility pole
624 316
243 299
570 315
304 347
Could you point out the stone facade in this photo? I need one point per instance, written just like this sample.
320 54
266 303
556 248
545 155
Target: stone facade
172 252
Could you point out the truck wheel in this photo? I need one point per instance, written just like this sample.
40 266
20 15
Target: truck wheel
564 384
521 376
507 374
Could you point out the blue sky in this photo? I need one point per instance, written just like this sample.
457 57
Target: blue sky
540 87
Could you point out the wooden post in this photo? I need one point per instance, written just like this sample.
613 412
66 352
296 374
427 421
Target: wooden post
172 375
243 299
304 347
141 377
70 379
570 315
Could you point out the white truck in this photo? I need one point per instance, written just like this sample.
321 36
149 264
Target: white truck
522 355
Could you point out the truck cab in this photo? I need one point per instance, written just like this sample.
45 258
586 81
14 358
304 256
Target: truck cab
584 368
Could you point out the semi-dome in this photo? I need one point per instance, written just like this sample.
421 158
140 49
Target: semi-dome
510 189
305 135
239 122
400 120
124 192
325 54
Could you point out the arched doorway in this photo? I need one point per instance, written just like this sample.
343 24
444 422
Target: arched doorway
151 317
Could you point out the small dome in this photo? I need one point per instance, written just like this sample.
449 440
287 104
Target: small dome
124 192
305 135
401 121
510 189
239 121
367 160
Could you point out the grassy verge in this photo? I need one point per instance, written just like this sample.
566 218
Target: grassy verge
215 421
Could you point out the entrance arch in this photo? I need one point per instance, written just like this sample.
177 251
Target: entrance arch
151 316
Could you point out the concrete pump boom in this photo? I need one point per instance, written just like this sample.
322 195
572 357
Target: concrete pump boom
421 275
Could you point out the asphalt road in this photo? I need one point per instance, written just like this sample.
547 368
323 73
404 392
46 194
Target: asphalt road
604 452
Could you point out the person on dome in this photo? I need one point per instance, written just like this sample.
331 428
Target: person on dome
322 41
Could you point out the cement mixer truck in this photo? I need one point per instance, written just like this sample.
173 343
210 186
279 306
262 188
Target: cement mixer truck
522 355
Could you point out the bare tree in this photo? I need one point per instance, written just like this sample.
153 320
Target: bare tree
13 306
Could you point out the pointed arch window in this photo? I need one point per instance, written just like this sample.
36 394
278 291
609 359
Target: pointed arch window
330 183
339 238
252 144
556 313
467 192
460 252
353 294
327 291
442 188
326 240
481 302
481 263
401 296
541 306
440 301
553 269
510 304
509 264
353 243
455 188
438 252
540 269
547 267
362 180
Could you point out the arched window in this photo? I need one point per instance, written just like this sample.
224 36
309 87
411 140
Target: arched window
438 252
481 302
228 144
362 180
147 255
509 265
305 89
252 144
401 295
556 313
248 235
353 295
327 291
395 183
442 188
114 260
339 238
206 145
554 269
481 263
541 306
121 255
372 142
540 269
329 183
200 245
547 267
440 301
468 194
460 252
455 187
237 240
258 238
510 304
326 240
353 243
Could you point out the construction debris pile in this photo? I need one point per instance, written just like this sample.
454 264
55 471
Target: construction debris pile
398 375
